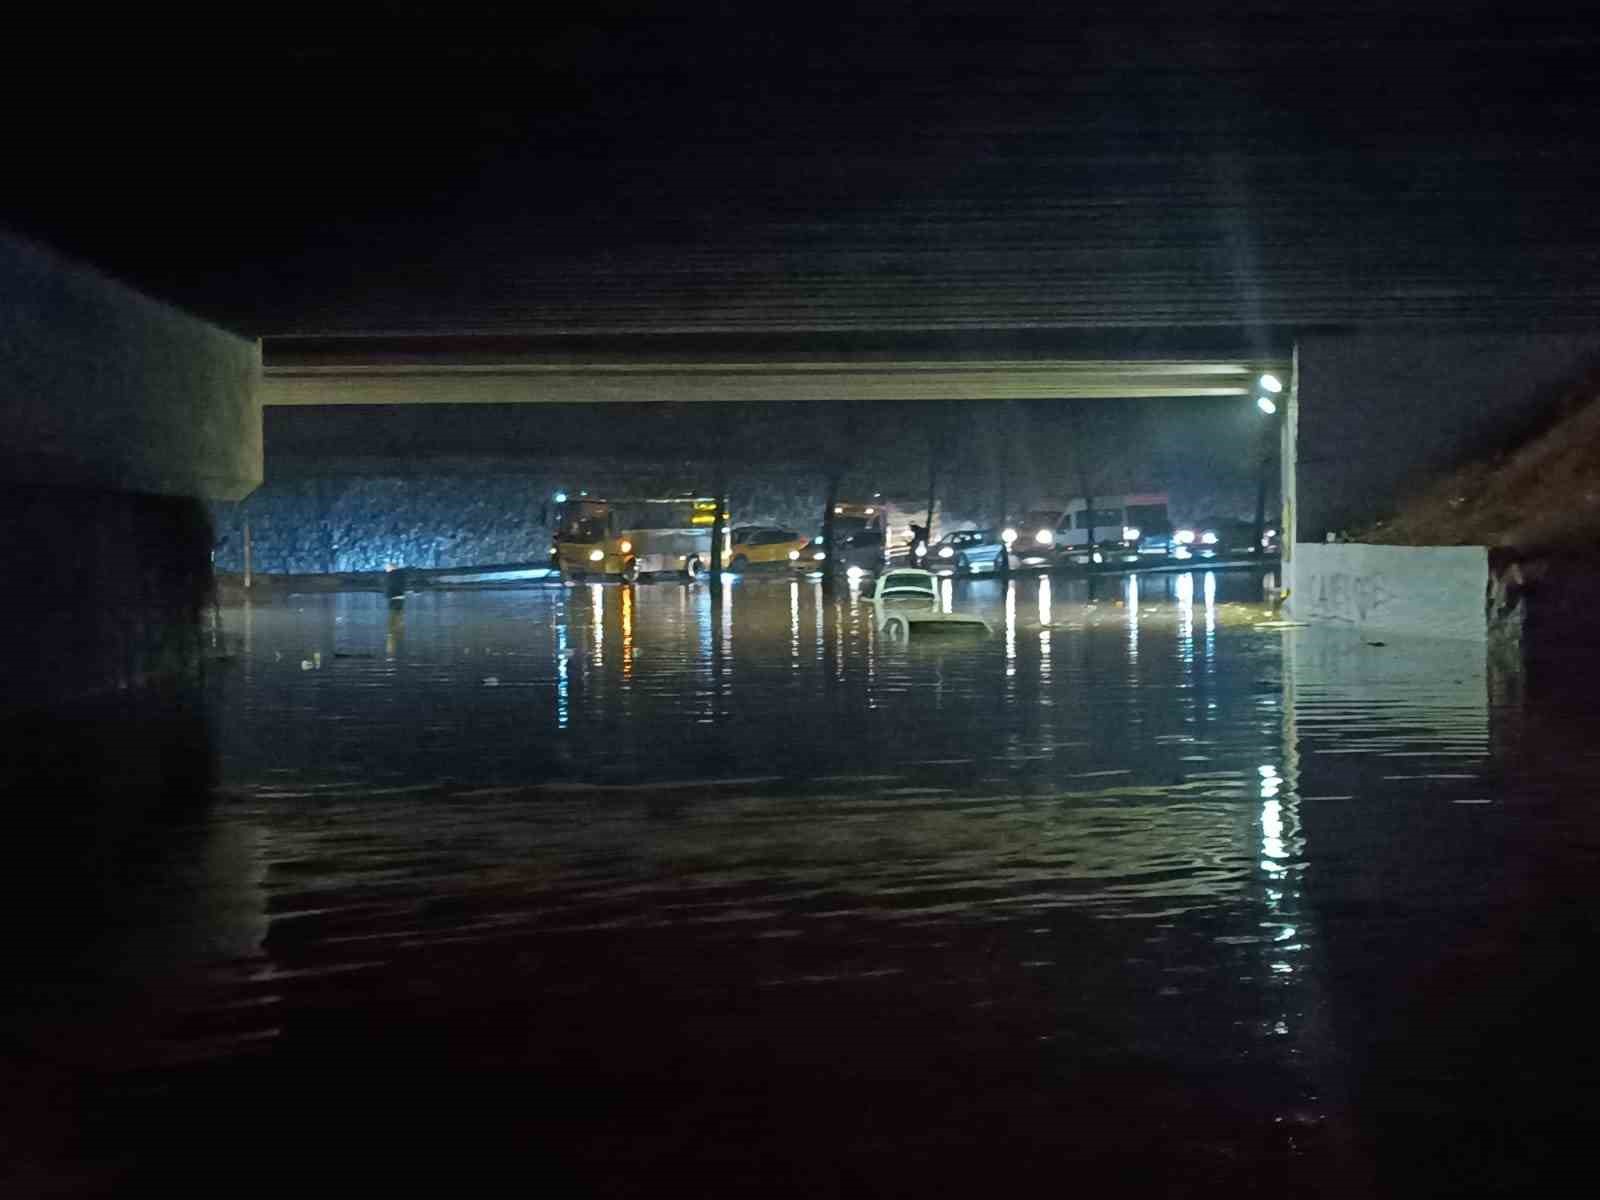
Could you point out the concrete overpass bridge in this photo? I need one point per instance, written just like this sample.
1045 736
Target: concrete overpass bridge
912 366
126 413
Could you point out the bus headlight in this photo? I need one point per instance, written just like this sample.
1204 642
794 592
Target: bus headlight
854 572
625 546
597 556
1044 537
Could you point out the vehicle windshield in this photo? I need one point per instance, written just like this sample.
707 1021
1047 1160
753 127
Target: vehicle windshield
906 583
584 529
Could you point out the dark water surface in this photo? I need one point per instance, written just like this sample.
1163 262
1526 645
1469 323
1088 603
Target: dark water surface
602 891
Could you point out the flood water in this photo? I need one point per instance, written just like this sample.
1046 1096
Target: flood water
603 890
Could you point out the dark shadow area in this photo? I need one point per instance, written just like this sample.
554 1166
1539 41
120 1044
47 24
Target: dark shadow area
1459 933
105 590
636 1063
105 802
91 790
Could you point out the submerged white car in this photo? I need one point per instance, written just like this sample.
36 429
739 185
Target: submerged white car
907 602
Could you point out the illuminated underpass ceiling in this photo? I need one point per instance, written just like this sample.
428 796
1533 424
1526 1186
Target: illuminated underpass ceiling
813 379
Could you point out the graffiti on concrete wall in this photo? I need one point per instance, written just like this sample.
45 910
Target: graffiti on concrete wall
1437 591
1344 596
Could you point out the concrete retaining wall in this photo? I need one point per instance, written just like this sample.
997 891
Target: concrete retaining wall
357 517
1436 591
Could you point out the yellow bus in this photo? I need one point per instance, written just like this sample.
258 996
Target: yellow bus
629 539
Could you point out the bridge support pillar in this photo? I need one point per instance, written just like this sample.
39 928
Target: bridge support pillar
123 416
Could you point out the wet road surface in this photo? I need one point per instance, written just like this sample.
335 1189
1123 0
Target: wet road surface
603 891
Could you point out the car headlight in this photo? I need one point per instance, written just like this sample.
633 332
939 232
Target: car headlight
1184 537
820 555
1008 536
1098 557
1209 538
625 546
794 556
597 556
1044 537
1130 533
946 552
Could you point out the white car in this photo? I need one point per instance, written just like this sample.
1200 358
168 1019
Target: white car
907 602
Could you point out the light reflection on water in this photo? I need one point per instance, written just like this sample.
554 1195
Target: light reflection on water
1116 795
1021 783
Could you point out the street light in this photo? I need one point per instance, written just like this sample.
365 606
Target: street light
1268 384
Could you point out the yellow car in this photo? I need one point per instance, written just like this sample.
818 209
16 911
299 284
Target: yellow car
764 545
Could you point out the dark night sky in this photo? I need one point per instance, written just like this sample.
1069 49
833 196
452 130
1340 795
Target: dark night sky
880 165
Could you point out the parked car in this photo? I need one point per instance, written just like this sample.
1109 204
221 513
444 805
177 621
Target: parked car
1148 525
1106 534
1033 540
967 551
764 546
1152 541
1219 537
861 551
1113 550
